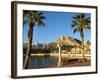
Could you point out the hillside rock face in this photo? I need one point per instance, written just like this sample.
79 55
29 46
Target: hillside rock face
68 41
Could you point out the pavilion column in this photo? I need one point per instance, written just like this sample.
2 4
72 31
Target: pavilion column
59 59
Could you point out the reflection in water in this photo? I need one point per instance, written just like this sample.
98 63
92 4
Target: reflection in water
44 61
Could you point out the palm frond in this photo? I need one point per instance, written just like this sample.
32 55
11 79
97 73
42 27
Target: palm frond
74 23
25 21
42 17
40 13
82 15
87 21
87 27
25 12
76 29
40 23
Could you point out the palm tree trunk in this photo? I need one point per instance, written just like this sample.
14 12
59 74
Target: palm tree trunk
82 44
29 46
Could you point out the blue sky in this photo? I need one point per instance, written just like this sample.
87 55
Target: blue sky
57 24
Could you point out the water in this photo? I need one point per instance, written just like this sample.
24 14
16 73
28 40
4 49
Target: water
44 61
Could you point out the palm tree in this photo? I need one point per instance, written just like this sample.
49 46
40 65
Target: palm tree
80 22
33 18
88 43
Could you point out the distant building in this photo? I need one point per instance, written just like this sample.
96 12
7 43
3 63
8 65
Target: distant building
39 46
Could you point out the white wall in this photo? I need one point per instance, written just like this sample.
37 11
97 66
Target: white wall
5 41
